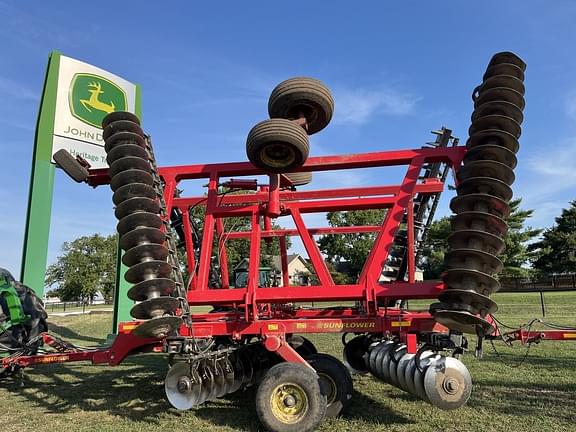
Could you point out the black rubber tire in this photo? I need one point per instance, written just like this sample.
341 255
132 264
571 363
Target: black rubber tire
70 165
335 382
291 374
302 345
303 95
299 179
277 145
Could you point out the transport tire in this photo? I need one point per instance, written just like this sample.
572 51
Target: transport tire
335 382
277 145
299 179
302 96
289 399
70 166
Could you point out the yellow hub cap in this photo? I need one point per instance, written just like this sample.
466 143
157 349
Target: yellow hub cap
289 403
278 155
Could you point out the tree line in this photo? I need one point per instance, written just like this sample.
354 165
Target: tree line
87 265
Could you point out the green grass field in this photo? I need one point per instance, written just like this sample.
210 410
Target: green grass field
539 395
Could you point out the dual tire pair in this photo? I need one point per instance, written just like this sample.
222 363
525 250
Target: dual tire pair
293 397
298 107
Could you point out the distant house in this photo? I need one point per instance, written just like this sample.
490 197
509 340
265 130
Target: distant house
298 273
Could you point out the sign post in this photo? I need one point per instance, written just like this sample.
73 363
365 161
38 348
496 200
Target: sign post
75 99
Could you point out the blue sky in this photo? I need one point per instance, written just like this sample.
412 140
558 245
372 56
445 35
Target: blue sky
397 71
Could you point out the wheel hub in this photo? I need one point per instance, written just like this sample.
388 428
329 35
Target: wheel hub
289 403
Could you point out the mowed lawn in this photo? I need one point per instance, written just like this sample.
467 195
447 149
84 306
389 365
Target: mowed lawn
538 395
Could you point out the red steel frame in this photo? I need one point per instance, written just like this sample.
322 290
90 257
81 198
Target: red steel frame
267 311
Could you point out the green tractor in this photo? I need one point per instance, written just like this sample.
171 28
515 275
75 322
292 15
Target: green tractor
22 318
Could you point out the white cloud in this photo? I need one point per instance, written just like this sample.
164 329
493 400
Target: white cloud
558 165
14 89
360 105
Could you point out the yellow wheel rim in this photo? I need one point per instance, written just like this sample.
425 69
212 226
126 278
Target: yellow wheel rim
289 403
328 387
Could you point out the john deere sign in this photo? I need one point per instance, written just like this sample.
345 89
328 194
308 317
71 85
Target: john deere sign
92 97
85 94
75 99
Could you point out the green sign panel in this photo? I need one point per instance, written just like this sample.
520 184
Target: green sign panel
91 97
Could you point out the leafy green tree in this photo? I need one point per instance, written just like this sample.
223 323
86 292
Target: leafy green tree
557 248
518 253
351 248
516 257
87 265
435 247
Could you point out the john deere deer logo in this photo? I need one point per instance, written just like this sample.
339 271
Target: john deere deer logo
91 97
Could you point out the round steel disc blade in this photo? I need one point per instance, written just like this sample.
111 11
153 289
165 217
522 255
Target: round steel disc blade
136 204
395 357
155 307
491 152
141 236
148 270
129 163
493 137
124 150
487 185
158 327
466 279
228 371
133 190
383 364
123 138
501 122
130 177
182 390
207 377
481 203
481 221
372 354
476 239
503 81
463 321
238 373
247 367
503 108
477 301
411 371
151 288
504 69
425 363
121 126
138 220
448 384
145 252
507 57
487 168
220 380
353 355
378 366
500 93
215 382
401 371
119 115
473 259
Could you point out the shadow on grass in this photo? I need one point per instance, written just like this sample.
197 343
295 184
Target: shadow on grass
66 333
136 392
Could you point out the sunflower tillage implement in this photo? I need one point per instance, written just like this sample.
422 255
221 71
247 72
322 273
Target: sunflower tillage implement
482 204
253 335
